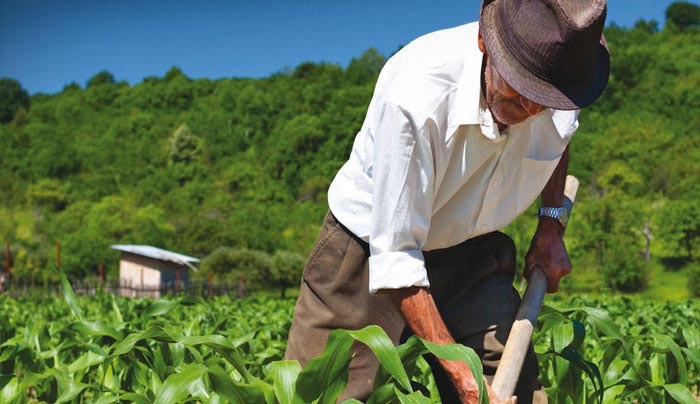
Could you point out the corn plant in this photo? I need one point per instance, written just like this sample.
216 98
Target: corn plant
105 349
163 354
639 362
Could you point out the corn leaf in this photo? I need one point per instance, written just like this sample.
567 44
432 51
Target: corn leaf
69 296
680 393
160 307
382 346
458 352
89 329
182 384
108 398
322 372
284 375
386 393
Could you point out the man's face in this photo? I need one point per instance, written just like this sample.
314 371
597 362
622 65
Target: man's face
507 106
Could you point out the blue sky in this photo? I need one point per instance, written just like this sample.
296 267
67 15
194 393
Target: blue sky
46 44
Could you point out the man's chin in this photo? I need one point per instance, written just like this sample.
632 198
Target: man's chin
508 118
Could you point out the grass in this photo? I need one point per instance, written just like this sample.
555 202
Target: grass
667 285
664 284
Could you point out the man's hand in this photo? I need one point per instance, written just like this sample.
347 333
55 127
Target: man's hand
466 385
548 252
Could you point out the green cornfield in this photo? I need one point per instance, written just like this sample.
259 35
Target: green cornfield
104 349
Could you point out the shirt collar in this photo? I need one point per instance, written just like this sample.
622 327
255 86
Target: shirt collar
469 107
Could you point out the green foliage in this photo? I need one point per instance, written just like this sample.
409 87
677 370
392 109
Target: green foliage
48 194
644 349
683 15
185 152
694 279
623 268
366 67
285 270
680 226
12 98
229 264
101 78
611 231
194 165
108 349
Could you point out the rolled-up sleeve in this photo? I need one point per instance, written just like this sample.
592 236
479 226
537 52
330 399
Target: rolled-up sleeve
403 181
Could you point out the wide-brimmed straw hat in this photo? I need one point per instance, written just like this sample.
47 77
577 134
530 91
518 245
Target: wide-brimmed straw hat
552 52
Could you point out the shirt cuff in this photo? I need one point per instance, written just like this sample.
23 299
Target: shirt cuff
396 270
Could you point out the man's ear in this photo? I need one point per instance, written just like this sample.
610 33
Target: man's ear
482 47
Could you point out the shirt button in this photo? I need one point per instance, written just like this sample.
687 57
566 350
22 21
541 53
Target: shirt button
494 183
483 227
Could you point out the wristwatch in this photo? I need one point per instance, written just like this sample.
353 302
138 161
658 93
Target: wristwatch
561 214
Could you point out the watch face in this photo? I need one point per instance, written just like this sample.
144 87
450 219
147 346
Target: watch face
564 217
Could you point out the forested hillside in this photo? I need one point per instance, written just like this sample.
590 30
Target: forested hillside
202 166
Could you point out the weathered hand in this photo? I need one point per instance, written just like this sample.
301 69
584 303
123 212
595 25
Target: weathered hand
466 385
493 398
547 251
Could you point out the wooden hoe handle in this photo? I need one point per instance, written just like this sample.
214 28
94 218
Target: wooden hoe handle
508 371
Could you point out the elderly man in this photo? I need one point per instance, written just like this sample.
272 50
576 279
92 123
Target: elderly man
466 128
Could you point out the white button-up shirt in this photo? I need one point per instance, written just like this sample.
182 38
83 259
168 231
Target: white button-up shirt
429 168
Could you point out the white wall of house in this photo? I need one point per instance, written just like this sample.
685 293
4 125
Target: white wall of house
141 273
147 276
132 274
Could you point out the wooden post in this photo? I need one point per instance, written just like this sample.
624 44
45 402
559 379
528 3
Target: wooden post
8 258
58 254
5 276
101 277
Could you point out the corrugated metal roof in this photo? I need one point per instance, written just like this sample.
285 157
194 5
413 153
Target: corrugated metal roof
156 253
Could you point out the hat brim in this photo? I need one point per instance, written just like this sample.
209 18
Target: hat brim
531 86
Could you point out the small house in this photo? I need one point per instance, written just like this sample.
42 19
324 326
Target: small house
150 271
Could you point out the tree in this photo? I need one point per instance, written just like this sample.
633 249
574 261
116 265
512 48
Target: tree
178 90
694 279
230 264
683 15
271 146
610 231
366 67
49 194
12 98
174 73
293 151
679 223
614 226
87 230
219 263
284 271
185 151
103 77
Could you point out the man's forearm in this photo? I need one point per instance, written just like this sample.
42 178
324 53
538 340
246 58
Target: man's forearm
547 250
553 192
418 308
420 312
552 195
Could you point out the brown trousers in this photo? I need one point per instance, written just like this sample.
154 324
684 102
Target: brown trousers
471 284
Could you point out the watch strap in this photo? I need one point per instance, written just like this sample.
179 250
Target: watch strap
560 213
